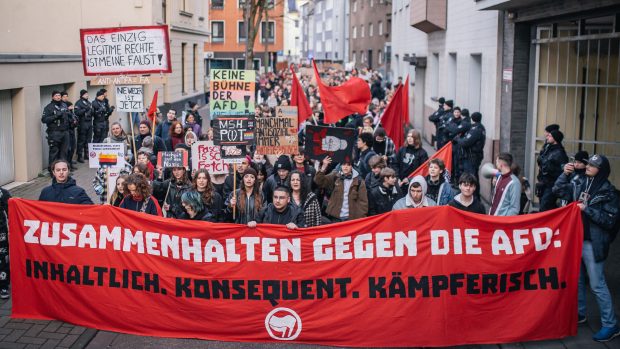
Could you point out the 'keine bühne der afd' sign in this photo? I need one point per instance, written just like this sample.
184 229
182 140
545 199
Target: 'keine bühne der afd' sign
125 50
232 92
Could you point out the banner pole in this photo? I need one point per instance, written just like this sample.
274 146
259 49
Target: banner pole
167 191
107 179
133 139
235 190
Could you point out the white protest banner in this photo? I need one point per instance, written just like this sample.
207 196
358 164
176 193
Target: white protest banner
113 174
208 156
126 50
129 98
106 155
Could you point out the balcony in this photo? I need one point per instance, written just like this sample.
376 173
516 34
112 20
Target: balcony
428 15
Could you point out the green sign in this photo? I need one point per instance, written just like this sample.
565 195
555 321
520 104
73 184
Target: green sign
232 92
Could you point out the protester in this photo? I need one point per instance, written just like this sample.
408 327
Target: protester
550 161
373 178
572 177
138 196
148 171
193 204
169 191
507 191
117 135
302 165
282 169
176 135
409 157
193 110
438 186
57 117
383 145
157 143
364 145
349 199
280 211
304 199
211 199
259 159
84 111
63 188
119 191
383 197
247 200
466 200
192 125
4 244
416 195
229 183
163 129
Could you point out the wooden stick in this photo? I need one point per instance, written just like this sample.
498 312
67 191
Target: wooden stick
133 139
167 191
235 189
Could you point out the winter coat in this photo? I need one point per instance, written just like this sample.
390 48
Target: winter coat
195 128
599 217
229 185
382 199
357 198
471 144
67 193
271 184
407 160
444 194
163 130
550 161
372 181
407 201
311 210
57 117
204 215
84 111
152 207
475 207
291 214
436 116
250 214
160 188
510 201
362 162
565 187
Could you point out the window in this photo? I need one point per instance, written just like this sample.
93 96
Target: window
195 63
371 3
452 75
240 3
361 31
370 29
380 27
353 57
329 4
268 31
354 5
319 8
183 46
354 32
242 33
217 4
380 57
163 11
217 31
296 23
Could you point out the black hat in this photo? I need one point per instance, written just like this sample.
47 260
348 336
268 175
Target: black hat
283 163
55 93
442 100
557 135
100 93
64 93
83 92
552 127
103 90
465 112
191 104
450 103
582 156
476 116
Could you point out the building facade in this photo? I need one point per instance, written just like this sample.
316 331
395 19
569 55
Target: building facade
226 47
33 64
292 32
369 28
325 30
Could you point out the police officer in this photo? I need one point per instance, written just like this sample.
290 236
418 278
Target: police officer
550 162
442 137
57 118
84 110
101 112
457 126
436 116
471 147
73 123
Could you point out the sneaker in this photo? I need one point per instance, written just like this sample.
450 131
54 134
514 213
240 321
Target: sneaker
4 293
606 334
581 319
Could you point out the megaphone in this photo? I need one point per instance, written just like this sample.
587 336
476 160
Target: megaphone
488 170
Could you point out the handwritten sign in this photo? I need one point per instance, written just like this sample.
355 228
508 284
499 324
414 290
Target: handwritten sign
233 154
206 155
275 135
232 92
234 130
167 159
129 98
128 80
106 155
125 50
335 142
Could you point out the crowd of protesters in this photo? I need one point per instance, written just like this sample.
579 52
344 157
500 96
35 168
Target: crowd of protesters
292 190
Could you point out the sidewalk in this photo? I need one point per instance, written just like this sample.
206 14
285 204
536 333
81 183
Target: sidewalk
25 333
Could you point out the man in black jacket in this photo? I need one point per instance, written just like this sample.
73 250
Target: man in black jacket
436 116
444 119
281 171
73 123
383 197
63 188
84 111
101 113
281 211
550 162
456 127
4 243
471 147
56 117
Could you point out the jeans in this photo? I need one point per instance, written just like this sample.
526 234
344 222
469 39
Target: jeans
547 199
598 285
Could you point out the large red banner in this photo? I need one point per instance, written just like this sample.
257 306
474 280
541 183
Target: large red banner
419 277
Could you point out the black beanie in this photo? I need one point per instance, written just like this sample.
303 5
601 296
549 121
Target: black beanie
557 135
100 93
465 112
83 92
283 163
450 103
552 127
442 100
582 156
476 117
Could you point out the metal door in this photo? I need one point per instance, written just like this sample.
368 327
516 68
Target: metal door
7 156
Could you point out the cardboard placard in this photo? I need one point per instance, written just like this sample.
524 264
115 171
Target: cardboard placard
335 142
167 159
275 135
233 154
106 155
232 92
129 98
126 50
128 80
207 155
234 130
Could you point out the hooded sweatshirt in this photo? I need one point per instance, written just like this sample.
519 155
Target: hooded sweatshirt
407 201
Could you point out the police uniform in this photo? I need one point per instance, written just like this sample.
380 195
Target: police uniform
84 110
57 118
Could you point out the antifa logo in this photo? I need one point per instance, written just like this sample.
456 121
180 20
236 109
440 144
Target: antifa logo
283 324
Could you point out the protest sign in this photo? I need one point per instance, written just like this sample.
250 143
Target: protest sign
467 278
206 155
106 155
277 135
113 174
233 154
335 142
232 92
129 98
234 130
126 50
167 159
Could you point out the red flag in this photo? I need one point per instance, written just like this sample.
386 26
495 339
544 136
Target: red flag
153 108
298 99
339 101
395 115
445 154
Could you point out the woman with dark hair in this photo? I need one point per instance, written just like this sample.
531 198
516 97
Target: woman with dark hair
304 199
170 190
177 135
247 200
211 199
138 197
262 174
192 125
119 191
195 210
144 170
409 157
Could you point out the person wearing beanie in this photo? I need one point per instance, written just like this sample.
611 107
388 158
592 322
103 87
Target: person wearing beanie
572 177
281 169
436 117
444 120
144 134
193 110
101 116
456 128
551 162
57 117
552 127
598 201
471 145
84 111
